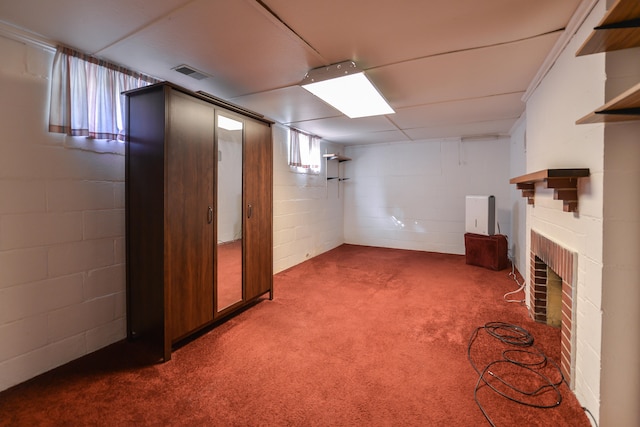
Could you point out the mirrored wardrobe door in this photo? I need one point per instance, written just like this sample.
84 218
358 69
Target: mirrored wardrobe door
229 210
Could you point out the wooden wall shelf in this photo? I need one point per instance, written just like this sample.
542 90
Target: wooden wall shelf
619 29
624 107
563 181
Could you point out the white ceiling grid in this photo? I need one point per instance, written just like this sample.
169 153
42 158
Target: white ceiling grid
449 69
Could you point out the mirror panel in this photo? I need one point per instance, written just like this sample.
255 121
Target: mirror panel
229 212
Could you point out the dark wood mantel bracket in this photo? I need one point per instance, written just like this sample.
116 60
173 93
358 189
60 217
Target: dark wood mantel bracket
563 181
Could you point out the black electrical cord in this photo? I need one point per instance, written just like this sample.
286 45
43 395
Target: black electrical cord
510 334
590 415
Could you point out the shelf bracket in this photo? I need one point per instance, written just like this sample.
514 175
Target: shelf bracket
633 111
630 23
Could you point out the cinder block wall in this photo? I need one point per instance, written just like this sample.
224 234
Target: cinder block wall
411 195
307 209
62 286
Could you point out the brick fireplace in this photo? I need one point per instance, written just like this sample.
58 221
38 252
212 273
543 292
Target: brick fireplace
546 254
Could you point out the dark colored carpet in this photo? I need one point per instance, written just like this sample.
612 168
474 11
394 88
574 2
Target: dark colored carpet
356 336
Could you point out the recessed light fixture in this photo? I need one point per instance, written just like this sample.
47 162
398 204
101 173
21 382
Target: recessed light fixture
345 87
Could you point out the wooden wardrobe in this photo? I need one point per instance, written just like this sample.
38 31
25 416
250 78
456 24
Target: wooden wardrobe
198 212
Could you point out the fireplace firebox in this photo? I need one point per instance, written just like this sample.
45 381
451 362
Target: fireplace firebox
547 254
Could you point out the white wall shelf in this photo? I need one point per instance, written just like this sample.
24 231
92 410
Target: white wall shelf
340 158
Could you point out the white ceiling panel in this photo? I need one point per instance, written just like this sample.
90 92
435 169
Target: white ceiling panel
463 130
463 75
507 106
373 138
87 25
336 127
287 105
242 47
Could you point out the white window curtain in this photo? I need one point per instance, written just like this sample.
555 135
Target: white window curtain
86 95
304 151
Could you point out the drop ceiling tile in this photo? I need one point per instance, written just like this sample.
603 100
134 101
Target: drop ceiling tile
336 127
286 105
469 74
372 138
460 111
478 129
237 43
87 25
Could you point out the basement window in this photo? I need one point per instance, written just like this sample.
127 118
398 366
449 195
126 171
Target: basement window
304 152
86 95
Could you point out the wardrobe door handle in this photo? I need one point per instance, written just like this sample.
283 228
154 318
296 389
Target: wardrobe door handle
249 210
210 215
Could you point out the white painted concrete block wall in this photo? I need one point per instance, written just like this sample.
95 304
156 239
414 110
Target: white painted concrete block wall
620 296
518 249
411 195
307 210
62 285
572 88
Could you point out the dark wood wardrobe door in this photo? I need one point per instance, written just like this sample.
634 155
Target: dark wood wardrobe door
189 240
258 183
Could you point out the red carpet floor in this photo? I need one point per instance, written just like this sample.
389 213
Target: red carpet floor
357 336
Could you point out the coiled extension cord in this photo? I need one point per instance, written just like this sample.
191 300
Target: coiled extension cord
526 357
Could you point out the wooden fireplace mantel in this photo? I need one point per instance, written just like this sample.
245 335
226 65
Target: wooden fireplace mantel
563 181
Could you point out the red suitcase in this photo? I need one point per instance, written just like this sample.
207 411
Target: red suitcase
486 251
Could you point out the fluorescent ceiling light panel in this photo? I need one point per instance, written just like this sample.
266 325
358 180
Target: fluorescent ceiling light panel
345 87
229 124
